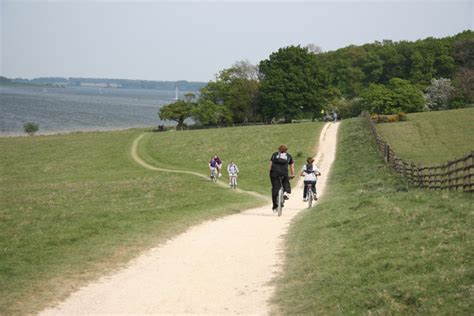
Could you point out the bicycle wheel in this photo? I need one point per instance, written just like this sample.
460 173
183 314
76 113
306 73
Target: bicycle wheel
213 176
309 195
280 201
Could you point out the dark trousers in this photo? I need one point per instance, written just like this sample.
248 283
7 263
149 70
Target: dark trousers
305 189
276 186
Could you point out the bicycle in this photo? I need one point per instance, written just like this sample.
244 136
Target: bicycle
310 195
233 181
213 175
280 198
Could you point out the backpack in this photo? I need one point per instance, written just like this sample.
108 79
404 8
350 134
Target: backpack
281 158
309 168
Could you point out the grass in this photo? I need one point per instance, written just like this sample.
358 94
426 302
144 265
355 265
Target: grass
373 245
249 147
75 206
432 137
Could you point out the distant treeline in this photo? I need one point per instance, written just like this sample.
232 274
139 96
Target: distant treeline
298 82
182 85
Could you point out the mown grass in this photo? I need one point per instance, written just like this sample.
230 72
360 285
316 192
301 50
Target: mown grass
373 245
432 137
77 205
249 147
74 206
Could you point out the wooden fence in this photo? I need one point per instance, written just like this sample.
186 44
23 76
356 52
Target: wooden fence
452 175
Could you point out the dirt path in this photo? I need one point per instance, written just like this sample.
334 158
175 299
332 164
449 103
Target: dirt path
219 267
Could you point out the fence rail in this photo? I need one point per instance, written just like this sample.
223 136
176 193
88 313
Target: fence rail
452 175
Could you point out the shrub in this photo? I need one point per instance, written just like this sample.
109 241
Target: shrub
402 116
31 128
392 118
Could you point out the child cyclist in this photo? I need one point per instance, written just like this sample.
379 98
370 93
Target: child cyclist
232 169
310 173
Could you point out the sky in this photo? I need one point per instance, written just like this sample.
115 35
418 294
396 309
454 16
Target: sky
193 40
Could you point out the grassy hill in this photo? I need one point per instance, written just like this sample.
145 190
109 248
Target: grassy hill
73 206
249 147
432 137
374 246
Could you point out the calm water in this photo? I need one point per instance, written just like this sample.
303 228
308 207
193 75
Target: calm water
59 110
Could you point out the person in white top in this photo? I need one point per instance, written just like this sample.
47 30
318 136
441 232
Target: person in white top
310 173
232 169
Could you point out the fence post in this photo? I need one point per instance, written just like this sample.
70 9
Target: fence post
467 166
386 152
421 175
414 174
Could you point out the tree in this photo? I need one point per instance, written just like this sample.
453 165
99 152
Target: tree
464 52
398 95
438 94
30 128
292 84
405 96
210 114
464 80
377 98
313 48
236 88
178 111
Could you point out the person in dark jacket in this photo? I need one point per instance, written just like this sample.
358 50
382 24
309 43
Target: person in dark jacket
280 162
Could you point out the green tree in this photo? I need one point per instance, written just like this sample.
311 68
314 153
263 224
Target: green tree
236 88
464 80
30 128
210 114
405 96
377 98
398 95
178 111
372 67
292 84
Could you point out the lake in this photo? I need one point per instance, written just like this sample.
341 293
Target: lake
61 110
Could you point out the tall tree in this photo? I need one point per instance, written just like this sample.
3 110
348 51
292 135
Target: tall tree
236 89
292 84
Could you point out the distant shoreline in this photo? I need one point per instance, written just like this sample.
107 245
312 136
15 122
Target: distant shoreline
59 133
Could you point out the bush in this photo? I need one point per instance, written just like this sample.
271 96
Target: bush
31 128
400 116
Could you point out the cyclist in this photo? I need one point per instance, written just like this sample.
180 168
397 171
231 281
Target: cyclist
310 173
232 169
212 166
218 164
279 163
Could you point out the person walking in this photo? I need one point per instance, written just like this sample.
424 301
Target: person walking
280 162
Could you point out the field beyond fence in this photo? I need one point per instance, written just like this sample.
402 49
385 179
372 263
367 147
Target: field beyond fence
457 174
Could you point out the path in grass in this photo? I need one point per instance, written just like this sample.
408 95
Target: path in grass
219 267
140 161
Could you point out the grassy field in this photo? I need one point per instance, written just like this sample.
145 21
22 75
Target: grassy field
432 137
249 147
374 246
74 206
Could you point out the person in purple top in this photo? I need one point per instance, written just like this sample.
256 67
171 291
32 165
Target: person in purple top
216 162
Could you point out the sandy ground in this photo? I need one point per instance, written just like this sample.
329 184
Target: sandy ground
219 267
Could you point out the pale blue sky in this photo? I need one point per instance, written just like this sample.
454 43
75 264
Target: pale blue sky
193 40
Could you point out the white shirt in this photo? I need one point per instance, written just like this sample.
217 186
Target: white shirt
312 175
232 168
